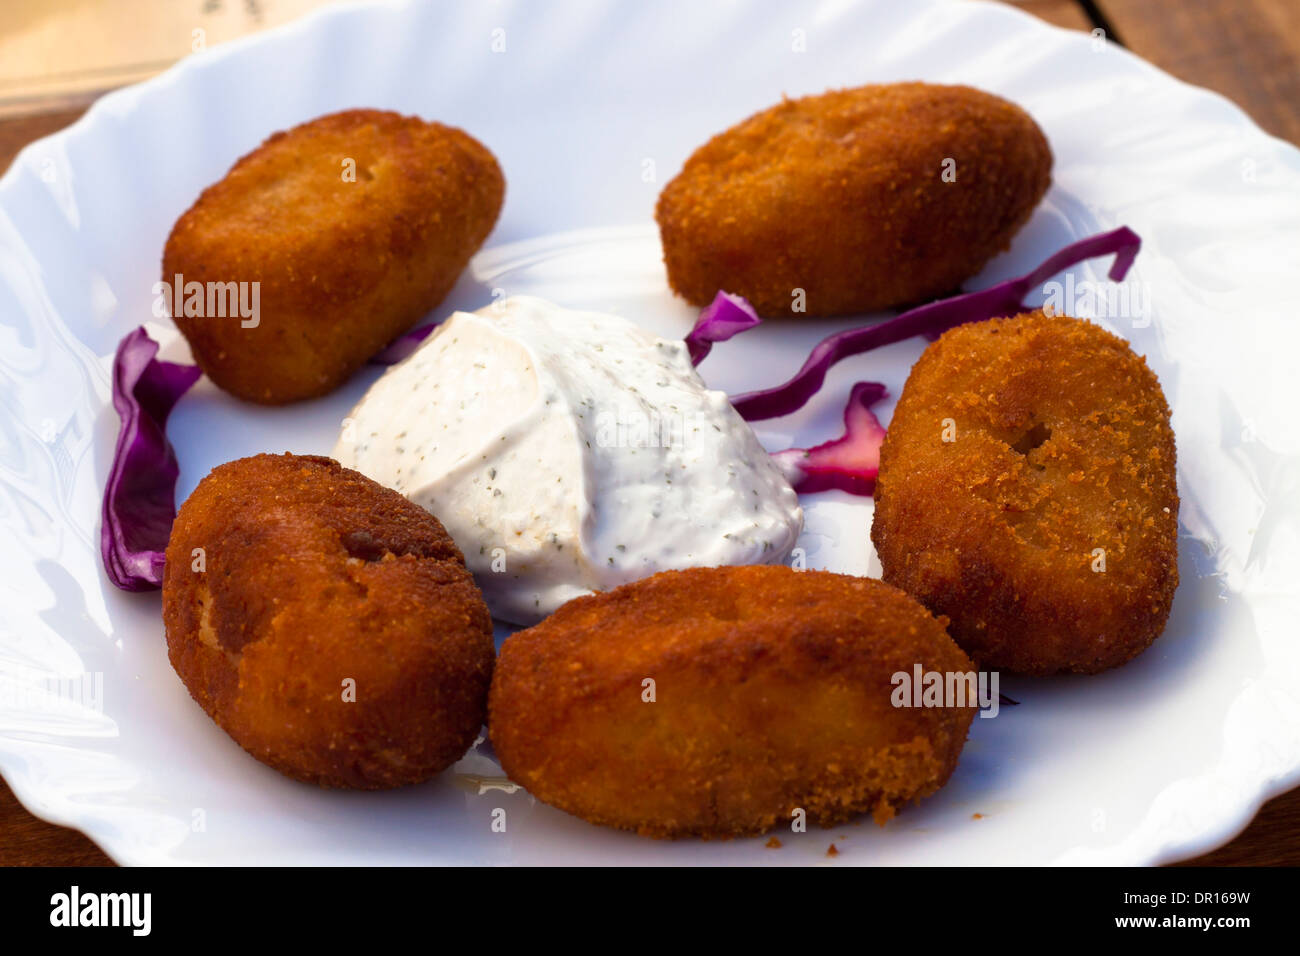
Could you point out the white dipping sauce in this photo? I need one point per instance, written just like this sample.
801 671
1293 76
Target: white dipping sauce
569 452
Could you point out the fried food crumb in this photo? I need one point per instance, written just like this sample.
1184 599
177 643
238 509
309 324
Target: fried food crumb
837 203
341 264
317 579
1028 492
773 697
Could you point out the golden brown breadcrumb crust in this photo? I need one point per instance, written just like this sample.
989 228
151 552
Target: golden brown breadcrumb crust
1061 455
843 195
772 692
315 575
344 266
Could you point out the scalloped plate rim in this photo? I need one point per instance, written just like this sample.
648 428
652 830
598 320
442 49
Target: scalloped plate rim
126 99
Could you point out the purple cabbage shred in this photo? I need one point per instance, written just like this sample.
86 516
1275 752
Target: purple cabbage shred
725 316
849 463
139 499
931 320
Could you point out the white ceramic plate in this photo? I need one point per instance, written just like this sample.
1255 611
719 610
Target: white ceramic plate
590 108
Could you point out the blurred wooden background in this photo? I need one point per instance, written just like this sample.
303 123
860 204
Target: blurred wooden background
56 56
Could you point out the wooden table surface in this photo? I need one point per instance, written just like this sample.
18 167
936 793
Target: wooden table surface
1248 50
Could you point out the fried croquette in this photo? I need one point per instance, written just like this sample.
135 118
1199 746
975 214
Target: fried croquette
1027 492
717 702
326 623
352 226
854 200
